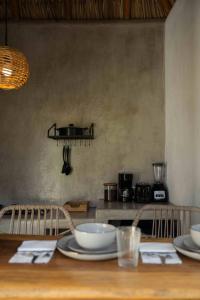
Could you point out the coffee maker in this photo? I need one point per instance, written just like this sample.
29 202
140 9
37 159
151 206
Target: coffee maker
159 189
125 193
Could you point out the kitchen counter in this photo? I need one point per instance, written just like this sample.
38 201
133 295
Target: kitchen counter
82 217
103 213
108 211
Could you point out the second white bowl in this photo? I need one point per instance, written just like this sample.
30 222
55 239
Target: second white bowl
94 236
195 234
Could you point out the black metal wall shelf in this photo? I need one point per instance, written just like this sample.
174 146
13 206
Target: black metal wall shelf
88 134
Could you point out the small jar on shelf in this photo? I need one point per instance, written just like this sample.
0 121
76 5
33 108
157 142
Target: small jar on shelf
110 192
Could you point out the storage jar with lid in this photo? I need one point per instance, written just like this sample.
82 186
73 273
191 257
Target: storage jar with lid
110 192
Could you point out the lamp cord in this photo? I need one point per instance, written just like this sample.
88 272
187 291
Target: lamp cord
6 22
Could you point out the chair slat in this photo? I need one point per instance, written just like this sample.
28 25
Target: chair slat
19 220
38 216
25 221
56 223
12 221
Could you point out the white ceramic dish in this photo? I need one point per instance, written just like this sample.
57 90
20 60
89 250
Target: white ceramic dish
195 234
95 236
180 247
74 246
62 246
190 245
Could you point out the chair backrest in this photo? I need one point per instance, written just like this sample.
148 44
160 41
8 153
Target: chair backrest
36 219
168 220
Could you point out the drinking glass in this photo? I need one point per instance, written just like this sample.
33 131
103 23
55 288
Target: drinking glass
128 240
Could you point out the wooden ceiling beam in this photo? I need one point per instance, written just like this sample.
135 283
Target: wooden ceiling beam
67 9
166 6
14 9
126 9
86 9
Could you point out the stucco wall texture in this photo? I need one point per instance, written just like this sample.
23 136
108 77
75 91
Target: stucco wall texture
109 74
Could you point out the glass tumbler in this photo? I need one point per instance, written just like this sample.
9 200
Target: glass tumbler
128 241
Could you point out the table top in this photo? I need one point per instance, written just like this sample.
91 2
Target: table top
65 278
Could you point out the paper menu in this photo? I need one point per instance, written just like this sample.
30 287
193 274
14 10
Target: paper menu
31 257
35 251
159 253
38 245
157 247
160 258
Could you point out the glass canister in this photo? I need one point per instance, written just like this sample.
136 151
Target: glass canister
110 192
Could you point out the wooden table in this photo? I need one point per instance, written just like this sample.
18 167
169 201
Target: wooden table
65 278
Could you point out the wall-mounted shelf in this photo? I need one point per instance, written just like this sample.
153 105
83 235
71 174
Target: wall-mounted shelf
69 133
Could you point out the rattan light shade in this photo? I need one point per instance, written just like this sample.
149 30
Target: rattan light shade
14 68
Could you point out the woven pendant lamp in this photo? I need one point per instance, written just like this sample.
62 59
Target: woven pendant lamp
14 68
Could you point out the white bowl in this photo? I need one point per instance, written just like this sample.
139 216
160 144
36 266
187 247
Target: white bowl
195 233
94 235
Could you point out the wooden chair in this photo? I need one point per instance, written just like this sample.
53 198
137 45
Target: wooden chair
36 219
168 221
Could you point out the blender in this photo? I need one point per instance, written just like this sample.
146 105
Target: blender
159 189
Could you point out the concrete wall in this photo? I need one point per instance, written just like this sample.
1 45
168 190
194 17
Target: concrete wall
109 74
182 94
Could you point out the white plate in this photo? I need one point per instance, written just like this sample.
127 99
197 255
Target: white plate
74 246
62 246
180 247
190 245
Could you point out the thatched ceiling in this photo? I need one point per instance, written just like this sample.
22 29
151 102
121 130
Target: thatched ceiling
77 10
